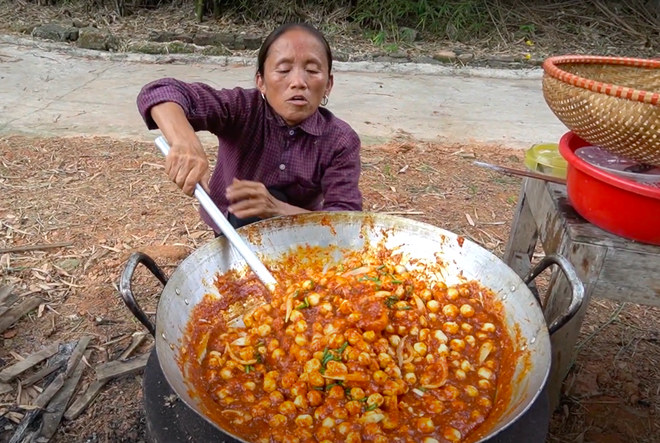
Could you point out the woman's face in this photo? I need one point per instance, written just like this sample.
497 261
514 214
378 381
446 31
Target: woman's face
295 76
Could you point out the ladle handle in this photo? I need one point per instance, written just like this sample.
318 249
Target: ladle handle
252 260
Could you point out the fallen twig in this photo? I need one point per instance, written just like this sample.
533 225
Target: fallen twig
42 247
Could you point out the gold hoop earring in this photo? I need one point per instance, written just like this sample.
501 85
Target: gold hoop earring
324 102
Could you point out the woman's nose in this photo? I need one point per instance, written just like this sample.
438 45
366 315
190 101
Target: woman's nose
298 78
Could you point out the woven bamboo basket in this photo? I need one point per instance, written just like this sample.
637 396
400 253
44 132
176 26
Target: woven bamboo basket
610 102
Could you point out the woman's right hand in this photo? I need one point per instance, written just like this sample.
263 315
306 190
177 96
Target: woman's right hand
186 163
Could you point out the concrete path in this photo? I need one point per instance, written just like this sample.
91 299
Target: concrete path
47 90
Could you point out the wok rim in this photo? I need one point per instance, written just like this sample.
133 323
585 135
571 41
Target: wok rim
299 219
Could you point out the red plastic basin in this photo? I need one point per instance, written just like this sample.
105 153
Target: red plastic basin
622 207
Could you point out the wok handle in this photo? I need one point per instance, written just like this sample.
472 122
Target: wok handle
577 288
125 286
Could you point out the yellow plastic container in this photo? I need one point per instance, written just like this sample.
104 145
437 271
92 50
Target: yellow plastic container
546 159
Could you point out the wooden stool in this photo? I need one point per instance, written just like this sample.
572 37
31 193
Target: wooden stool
609 266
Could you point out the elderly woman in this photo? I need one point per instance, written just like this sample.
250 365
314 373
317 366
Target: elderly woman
280 151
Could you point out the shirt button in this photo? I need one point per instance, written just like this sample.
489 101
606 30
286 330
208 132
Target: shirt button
291 132
282 167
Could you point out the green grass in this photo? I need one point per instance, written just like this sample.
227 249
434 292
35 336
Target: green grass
385 21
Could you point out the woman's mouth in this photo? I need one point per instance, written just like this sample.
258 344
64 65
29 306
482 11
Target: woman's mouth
298 100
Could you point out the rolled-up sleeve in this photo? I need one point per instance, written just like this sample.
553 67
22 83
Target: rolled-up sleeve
341 180
207 108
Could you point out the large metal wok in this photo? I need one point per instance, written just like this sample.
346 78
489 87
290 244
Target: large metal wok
350 230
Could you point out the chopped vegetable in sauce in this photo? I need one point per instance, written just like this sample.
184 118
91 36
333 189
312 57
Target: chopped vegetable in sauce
373 354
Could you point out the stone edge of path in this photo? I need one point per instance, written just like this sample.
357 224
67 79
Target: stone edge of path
363 66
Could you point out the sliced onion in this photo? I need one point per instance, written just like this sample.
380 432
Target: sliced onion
235 358
399 350
204 343
370 417
235 412
240 341
435 386
420 303
411 353
289 308
484 351
356 376
418 392
357 271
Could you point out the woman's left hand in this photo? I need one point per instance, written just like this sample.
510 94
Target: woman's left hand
252 199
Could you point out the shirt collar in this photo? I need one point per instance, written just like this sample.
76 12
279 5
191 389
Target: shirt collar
313 125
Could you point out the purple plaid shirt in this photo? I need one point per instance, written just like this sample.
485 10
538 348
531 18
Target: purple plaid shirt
315 164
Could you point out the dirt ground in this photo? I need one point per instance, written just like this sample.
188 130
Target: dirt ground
109 198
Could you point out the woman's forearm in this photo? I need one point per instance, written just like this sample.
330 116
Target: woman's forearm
172 122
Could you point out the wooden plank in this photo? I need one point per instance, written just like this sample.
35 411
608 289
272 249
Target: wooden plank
85 399
115 369
13 371
587 259
549 224
24 432
5 388
138 338
564 341
7 298
18 311
43 372
50 391
5 292
523 237
630 277
52 416
76 355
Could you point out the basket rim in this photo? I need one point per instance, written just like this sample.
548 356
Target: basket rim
551 68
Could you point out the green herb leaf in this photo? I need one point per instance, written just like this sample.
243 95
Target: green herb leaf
405 308
372 407
391 301
248 368
343 348
303 305
363 399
